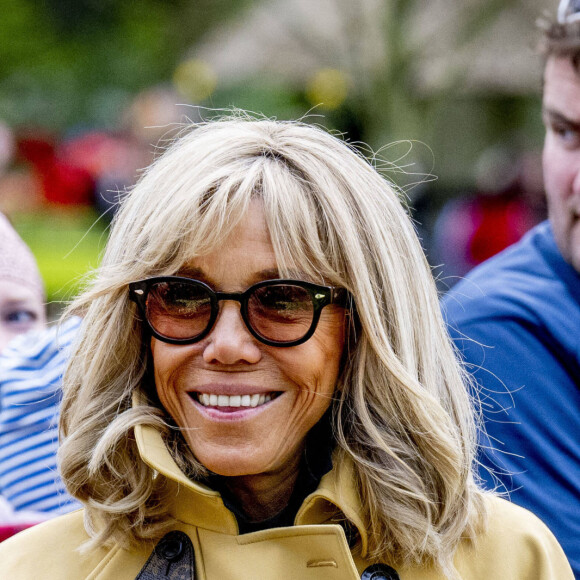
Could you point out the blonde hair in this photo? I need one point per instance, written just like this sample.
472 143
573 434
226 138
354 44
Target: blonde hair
402 412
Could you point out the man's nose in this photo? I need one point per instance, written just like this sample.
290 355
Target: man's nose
576 183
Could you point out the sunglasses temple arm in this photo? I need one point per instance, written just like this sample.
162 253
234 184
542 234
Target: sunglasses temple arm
339 296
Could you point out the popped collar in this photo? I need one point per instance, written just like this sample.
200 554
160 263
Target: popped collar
194 503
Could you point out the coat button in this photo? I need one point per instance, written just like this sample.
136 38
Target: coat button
171 549
380 572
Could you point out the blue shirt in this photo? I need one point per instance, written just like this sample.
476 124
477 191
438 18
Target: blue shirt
516 321
31 370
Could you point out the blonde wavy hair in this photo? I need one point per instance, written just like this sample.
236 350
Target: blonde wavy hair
402 412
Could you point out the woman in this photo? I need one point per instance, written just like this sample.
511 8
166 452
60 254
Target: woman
264 388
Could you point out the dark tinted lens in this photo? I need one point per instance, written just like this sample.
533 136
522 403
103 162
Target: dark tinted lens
281 312
178 310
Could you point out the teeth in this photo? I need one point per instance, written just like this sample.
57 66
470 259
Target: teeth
256 400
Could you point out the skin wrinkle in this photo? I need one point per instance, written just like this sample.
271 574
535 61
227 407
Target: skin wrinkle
259 456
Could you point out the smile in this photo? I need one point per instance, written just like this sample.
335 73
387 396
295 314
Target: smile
233 401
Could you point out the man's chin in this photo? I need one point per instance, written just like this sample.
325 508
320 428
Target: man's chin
575 261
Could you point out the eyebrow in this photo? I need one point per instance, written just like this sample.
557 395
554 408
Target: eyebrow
556 117
14 301
190 272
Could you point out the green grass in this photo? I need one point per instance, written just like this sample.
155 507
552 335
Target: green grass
67 245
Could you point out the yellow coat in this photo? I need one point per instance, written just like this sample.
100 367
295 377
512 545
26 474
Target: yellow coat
517 545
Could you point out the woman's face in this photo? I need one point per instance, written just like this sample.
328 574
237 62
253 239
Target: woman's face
294 385
21 310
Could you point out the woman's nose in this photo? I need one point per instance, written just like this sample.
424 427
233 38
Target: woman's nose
229 341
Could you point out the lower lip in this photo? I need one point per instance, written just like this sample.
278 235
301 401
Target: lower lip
231 413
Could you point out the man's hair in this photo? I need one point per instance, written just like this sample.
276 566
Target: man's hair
560 40
402 412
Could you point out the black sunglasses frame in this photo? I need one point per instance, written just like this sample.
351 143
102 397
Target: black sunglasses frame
321 296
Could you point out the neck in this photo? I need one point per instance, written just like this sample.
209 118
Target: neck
264 495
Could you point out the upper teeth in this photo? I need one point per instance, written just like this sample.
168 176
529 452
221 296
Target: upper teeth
256 400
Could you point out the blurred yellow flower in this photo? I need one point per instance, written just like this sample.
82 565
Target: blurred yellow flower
328 88
195 80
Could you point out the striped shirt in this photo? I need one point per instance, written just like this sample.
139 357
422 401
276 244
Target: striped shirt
30 393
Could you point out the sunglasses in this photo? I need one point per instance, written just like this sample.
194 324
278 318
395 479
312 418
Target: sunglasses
283 313
569 11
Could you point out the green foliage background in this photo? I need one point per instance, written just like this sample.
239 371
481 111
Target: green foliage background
66 65
69 62
67 247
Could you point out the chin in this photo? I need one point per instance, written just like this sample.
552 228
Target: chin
231 464
572 254
575 263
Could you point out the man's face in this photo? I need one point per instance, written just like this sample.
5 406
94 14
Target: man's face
561 158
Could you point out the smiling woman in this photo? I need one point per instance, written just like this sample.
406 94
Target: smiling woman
264 388
258 445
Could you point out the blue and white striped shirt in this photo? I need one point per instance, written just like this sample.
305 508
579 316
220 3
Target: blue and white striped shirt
31 370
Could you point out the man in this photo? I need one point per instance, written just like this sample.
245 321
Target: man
516 321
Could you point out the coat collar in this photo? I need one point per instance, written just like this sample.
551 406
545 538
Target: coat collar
334 501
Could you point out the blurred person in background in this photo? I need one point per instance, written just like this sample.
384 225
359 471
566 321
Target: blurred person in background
32 362
21 287
34 175
516 319
114 159
19 188
507 203
62 183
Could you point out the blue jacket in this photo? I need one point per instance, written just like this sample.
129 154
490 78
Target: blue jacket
516 321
